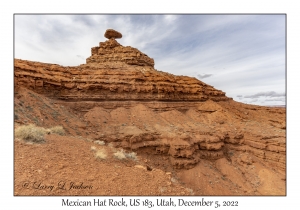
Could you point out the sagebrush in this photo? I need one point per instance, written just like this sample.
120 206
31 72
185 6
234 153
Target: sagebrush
57 130
32 133
121 154
101 154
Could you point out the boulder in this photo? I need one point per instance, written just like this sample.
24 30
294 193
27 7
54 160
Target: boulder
112 34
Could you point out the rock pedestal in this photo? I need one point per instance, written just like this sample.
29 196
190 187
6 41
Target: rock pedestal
112 51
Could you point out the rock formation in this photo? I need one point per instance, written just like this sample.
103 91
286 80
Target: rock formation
120 98
112 72
112 34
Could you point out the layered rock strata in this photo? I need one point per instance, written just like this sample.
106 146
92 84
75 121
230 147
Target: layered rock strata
113 72
120 98
111 82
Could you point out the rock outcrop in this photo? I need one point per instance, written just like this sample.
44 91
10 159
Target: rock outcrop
112 34
111 51
120 98
112 72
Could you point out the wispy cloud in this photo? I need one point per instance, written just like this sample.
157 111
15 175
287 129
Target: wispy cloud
266 94
80 56
202 76
276 99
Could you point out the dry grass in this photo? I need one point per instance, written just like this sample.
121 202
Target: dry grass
32 133
101 154
131 155
57 130
99 142
121 155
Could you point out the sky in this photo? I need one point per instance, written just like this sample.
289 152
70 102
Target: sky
242 55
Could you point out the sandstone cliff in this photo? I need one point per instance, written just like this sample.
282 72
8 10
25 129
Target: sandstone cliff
112 72
118 97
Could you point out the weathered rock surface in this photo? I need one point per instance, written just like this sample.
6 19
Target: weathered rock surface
181 130
113 72
112 34
119 98
114 53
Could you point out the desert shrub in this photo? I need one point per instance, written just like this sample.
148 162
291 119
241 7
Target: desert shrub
120 155
101 154
131 155
99 142
31 133
57 130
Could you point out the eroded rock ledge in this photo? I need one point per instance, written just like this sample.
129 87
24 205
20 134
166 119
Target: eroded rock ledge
120 98
112 72
110 81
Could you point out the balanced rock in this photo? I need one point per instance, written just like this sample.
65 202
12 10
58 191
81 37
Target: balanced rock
112 52
112 34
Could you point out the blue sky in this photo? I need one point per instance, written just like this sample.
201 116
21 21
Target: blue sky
242 55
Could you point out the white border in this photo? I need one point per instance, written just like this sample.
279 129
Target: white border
8 8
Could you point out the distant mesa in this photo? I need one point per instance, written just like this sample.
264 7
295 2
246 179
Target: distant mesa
112 34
